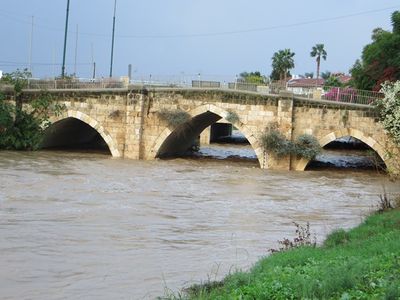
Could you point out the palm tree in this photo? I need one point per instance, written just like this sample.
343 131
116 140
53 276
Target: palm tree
318 51
282 62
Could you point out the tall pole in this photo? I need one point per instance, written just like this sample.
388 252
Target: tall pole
65 41
76 49
112 42
30 48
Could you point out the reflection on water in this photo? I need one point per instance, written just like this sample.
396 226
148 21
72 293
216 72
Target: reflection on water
88 226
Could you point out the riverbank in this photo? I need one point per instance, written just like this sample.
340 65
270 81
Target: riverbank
363 263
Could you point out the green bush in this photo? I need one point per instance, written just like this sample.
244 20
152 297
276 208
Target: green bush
305 146
389 108
275 142
22 129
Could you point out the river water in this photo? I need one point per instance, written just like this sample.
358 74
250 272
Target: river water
87 226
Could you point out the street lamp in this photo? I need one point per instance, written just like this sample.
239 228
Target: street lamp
65 41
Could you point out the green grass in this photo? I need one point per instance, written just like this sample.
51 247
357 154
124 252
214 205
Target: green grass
363 263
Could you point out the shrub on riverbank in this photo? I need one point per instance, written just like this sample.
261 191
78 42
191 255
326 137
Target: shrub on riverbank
22 127
363 263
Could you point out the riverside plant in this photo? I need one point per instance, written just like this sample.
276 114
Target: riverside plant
305 146
303 238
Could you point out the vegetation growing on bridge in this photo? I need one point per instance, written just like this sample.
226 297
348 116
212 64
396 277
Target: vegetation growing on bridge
174 117
22 128
232 117
305 146
362 263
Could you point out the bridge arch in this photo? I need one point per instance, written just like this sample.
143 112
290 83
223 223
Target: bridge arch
222 114
325 140
92 123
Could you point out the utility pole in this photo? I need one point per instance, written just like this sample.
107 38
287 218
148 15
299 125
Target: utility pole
112 41
31 48
76 49
93 62
65 41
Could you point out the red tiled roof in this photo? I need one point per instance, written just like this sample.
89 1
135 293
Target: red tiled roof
305 82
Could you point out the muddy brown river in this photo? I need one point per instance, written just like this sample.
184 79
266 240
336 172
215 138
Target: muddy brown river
86 226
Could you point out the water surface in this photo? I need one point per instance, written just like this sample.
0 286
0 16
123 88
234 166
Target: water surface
87 226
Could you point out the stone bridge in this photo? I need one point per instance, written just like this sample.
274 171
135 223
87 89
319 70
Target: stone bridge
130 122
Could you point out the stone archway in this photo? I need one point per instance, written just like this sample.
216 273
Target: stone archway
302 163
92 123
249 135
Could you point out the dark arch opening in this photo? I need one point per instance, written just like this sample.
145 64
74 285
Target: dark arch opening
185 136
347 153
74 135
224 141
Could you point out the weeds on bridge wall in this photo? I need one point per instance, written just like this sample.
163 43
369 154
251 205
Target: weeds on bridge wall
173 117
232 117
305 146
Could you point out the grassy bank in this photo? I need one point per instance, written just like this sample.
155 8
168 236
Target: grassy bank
363 263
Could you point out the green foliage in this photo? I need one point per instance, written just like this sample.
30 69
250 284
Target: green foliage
363 263
333 81
309 75
319 52
276 143
336 238
389 108
18 79
305 146
380 60
282 62
325 75
174 117
252 77
23 128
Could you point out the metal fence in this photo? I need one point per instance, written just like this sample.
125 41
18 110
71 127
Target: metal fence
336 94
75 84
206 84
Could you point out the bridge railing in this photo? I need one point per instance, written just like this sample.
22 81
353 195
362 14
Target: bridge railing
75 83
336 94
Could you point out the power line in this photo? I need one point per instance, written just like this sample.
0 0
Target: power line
221 33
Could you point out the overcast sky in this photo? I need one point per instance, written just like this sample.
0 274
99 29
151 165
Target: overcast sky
218 38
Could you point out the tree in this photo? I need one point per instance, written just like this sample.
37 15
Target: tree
318 51
252 77
309 75
20 128
282 62
325 75
380 60
333 81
